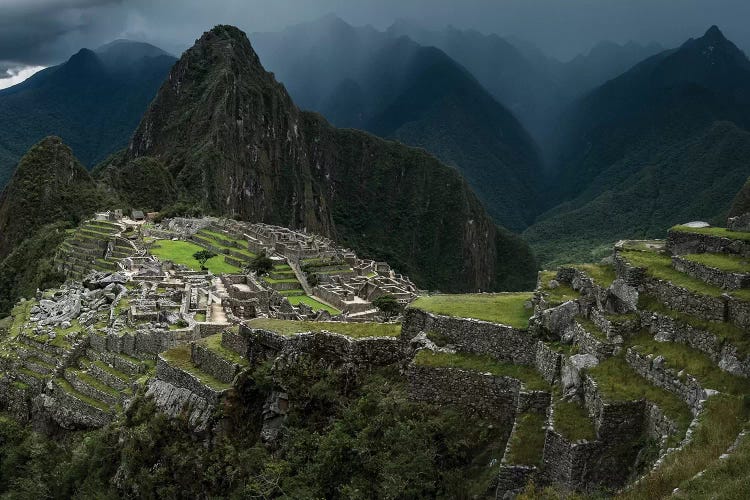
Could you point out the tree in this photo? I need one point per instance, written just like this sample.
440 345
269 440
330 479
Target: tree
388 305
261 264
204 256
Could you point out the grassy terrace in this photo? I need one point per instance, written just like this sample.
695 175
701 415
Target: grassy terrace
354 330
573 422
65 385
316 305
179 357
714 231
181 252
723 262
618 382
591 327
726 331
694 362
602 275
720 423
558 295
527 442
215 239
723 478
213 343
659 266
484 364
503 308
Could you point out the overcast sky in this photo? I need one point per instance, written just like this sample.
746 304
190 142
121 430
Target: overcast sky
46 32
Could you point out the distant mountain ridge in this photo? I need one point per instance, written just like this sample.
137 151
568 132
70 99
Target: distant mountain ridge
93 102
230 139
393 87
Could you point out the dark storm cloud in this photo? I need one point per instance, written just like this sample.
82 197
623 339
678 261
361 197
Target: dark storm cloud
48 31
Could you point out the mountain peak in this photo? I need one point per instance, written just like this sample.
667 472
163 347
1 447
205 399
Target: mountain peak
714 34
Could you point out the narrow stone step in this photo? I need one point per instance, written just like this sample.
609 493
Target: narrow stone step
94 389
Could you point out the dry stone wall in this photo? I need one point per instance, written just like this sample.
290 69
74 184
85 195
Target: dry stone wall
683 242
711 275
473 336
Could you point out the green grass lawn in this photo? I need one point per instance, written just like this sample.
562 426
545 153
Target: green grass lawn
181 252
721 261
572 421
504 308
617 381
714 231
602 275
484 364
355 330
527 442
316 305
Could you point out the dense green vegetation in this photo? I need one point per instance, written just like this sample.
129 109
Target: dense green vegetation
356 330
505 308
29 266
347 438
741 203
48 186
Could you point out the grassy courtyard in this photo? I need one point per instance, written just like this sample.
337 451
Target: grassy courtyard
181 252
296 300
503 308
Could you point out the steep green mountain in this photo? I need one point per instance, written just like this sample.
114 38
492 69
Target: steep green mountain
49 185
692 179
741 202
234 142
397 89
93 101
49 192
651 148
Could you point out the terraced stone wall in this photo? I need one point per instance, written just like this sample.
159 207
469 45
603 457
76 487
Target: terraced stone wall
333 347
682 243
482 394
473 336
716 277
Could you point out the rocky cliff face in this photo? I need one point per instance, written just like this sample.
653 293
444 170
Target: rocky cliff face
234 141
